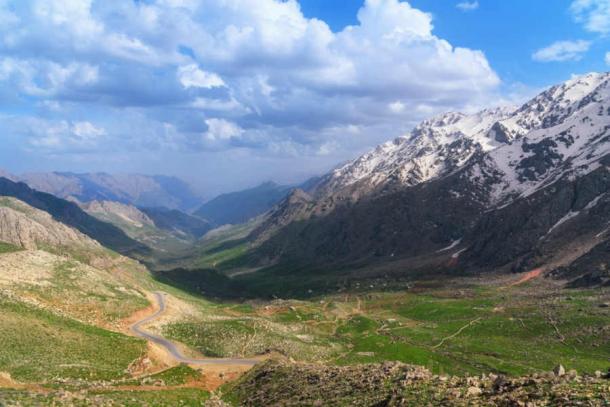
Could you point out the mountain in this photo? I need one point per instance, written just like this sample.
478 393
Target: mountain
134 189
159 228
24 226
178 223
72 215
239 207
502 189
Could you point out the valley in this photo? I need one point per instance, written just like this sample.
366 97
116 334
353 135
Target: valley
465 263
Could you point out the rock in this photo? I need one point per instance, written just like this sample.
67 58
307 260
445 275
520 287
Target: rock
598 374
473 391
604 305
559 371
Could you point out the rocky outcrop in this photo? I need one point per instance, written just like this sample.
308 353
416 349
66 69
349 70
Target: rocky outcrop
397 384
30 228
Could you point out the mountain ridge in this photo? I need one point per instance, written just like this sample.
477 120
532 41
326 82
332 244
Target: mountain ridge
538 165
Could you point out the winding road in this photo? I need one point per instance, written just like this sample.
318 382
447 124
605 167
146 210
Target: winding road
171 348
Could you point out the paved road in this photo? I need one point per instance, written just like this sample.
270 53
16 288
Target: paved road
171 347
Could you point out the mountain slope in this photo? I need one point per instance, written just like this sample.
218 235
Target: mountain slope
134 189
24 226
500 189
178 223
239 207
70 214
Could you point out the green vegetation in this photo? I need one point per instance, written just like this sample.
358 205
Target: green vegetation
8 248
185 397
174 376
471 330
38 346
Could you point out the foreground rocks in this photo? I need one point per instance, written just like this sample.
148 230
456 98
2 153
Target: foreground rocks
396 384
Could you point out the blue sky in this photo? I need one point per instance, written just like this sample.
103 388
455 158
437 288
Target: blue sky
230 93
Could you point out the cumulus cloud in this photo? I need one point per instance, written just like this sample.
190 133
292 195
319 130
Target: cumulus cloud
190 76
246 74
594 15
64 135
221 129
468 5
562 51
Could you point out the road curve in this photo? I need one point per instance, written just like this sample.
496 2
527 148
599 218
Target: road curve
171 347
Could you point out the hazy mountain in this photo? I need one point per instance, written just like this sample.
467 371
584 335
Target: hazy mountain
178 223
134 189
72 215
514 189
238 207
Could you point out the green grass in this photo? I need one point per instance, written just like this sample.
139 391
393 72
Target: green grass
186 397
475 330
38 346
220 255
8 248
180 374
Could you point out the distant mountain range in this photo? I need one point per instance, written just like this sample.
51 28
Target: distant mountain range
502 189
133 189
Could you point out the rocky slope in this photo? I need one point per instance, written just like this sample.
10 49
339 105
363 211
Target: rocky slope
24 226
513 189
122 213
398 384
72 215
134 189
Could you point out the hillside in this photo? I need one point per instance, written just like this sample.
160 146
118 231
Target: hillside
24 226
159 228
72 215
66 304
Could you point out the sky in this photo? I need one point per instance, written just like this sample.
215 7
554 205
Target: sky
230 93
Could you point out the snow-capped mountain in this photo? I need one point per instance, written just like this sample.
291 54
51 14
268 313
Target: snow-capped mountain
434 148
503 188
561 130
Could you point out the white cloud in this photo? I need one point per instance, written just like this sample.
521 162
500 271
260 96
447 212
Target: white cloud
562 51
397 107
267 78
190 76
593 14
222 130
607 58
64 135
468 5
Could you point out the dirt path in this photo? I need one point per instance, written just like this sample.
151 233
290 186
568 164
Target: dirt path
528 276
138 329
459 331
